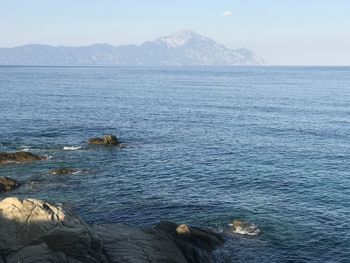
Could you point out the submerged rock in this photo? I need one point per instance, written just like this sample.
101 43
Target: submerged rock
19 157
7 184
105 140
244 228
35 231
64 171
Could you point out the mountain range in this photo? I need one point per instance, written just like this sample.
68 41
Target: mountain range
184 47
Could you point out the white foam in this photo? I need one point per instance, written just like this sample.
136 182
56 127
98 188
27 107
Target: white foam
71 148
25 150
248 229
250 232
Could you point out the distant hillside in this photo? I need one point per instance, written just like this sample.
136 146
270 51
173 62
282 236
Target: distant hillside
184 47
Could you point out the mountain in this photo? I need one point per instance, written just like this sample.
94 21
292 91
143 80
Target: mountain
184 47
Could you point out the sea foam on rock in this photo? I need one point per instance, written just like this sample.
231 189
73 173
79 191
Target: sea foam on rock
35 231
244 228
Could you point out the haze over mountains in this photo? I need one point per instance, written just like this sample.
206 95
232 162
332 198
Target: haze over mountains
184 47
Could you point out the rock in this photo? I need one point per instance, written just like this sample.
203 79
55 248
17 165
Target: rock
197 245
35 231
165 242
244 228
19 157
7 184
122 243
106 140
64 171
183 229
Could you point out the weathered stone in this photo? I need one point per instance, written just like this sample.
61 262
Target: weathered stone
106 140
165 242
183 230
196 244
35 231
43 229
19 157
7 184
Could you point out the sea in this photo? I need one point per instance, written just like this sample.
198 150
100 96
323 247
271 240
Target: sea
202 145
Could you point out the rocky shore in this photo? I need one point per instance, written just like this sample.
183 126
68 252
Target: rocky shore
35 231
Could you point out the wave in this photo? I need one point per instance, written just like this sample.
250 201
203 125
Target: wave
71 148
25 149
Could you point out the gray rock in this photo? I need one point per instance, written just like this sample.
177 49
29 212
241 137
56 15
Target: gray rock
165 242
36 231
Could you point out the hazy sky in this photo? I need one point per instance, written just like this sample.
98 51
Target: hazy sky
297 32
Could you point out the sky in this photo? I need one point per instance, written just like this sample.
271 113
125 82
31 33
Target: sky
283 32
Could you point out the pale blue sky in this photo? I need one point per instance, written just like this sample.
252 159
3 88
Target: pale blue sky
284 32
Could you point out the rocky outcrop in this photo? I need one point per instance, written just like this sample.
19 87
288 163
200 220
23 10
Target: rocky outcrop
161 243
19 157
105 140
7 184
36 231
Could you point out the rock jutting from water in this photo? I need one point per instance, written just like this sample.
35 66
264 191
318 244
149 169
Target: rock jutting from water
7 184
19 157
105 140
35 231
244 228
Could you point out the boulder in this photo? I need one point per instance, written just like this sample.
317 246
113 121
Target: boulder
7 184
105 140
36 231
244 228
19 157
165 242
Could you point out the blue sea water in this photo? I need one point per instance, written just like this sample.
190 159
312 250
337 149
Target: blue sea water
204 145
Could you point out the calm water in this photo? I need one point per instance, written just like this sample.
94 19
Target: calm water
204 145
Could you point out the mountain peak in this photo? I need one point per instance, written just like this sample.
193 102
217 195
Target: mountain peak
178 38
